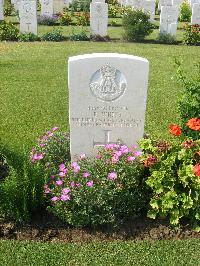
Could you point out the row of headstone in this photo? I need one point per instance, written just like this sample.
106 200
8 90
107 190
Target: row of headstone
195 14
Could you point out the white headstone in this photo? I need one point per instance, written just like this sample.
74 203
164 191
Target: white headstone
1 10
47 8
28 16
169 19
192 2
107 100
58 6
149 7
195 15
164 3
99 18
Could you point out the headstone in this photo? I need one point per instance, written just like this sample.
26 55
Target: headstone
99 18
169 19
47 8
16 4
1 10
58 6
107 100
137 4
177 2
28 16
149 7
196 15
164 3
192 2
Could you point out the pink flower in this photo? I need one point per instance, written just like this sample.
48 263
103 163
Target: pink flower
124 149
61 166
117 153
86 174
65 190
90 183
47 191
41 144
77 169
112 176
54 128
130 158
115 159
98 156
52 176
82 156
65 197
72 184
137 153
61 174
50 134
74 164
37 157
77 184
54 199
59 182
110 146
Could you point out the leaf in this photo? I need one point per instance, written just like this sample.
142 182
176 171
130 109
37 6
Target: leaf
152 214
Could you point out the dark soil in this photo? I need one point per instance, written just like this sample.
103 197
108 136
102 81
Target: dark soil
47 228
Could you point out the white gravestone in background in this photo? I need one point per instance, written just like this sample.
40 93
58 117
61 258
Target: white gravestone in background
195 15
107 100
58 6
192 2
164 3
169 19
1 10
47 8
149 7
28 16
99 18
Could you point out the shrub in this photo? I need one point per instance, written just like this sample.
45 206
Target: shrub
106 189
113 23
166 38
185 12
79 36
21 192
47 20
65 18
112 11
80 5
8 10
8 32
53 36
82 19
28 37
189 104
192 35
174 177
136 25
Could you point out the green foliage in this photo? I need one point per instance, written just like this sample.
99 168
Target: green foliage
136 25
8 9
21 192
47 20
78 35
189 103
112 11
28 37
53 36
185 12
80 5
166 38
192 35
174 184
82 18
107 189
65 18
8 32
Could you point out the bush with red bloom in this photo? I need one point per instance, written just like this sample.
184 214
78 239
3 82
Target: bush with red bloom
196 169
194 124
175 130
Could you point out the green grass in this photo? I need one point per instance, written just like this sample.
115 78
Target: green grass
34 94
165 253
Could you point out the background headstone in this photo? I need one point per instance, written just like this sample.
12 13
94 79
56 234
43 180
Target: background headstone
195 15
1 10
149 7
28 16
58 6
47 8
99 18
107 100
169 19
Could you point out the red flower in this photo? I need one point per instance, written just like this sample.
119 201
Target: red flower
196 169
175 130
194 123
150 161
188 144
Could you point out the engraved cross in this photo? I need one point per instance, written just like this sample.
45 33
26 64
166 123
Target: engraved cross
106 139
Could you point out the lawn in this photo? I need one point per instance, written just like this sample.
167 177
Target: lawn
34 94
165 253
